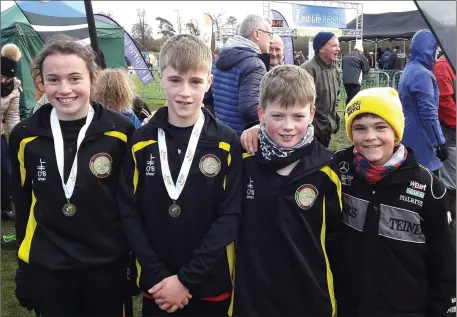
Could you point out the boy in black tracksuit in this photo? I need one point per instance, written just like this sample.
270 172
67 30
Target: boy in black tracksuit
291 207
396 253
184 243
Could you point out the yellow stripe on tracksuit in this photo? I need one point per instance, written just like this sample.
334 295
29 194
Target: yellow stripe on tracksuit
20 157
24 249
335 179
136 147
230 249
116 134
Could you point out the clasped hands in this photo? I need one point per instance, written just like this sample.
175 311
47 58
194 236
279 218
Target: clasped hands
169 294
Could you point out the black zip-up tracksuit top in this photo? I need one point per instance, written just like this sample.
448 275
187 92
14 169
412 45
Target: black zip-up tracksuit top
397 257
93 235
288 238
198 244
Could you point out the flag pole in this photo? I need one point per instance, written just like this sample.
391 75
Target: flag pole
100 58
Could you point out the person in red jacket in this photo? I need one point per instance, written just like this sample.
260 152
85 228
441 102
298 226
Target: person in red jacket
445 78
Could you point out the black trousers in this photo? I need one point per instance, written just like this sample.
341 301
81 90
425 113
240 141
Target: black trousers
351 91
196 307
97 291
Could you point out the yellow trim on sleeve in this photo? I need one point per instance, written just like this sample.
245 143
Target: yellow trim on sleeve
336 180
327 264
116 134
231 258
24 249
136 147
138 270
226 147
20 157
246 155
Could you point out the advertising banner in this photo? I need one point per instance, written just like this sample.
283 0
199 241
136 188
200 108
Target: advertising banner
316 16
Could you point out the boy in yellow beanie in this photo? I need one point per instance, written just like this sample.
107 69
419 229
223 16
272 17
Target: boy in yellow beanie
396 256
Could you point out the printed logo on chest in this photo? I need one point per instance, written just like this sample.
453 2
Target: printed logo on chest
250 189
150 166
41 171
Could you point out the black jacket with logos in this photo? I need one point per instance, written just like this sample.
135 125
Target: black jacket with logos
198 244
288 237
93 235
396 254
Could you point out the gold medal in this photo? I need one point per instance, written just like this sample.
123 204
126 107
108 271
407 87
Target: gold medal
174 210
69 209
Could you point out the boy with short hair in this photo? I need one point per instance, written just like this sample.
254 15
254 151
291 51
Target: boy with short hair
291 207
180 196
396 255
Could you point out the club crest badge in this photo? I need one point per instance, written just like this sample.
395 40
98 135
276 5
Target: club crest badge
305 196
210 165
100 165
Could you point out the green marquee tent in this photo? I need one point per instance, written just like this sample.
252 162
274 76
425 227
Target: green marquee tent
16 29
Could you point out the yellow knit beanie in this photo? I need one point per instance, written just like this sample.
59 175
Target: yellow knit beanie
383 102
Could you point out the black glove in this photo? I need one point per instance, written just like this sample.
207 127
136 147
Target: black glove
442 152
24 287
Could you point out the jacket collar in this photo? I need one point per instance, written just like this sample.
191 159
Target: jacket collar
323 64
209 131
100 123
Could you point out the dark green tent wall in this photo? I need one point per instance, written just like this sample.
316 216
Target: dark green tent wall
16 29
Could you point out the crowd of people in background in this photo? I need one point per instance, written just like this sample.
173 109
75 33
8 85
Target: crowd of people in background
237 161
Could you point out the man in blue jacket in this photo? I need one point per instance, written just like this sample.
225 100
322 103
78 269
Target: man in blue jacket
238 71
419 95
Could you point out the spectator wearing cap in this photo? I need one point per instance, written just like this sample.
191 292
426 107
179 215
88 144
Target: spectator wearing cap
9 114
354 65
322 67
397 59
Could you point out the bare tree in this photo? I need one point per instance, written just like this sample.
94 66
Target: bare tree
218 23
165 27
142 31
217 20
193 28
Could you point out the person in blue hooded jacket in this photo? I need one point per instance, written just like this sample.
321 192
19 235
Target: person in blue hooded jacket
419 95
237 72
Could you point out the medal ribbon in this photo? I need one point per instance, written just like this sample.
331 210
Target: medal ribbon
175 190
59 151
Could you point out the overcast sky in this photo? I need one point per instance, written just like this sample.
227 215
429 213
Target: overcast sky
124 12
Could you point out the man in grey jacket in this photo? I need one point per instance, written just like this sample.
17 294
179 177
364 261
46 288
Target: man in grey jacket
322 67
354 65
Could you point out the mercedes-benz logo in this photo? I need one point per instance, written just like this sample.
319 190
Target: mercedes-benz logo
343 167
